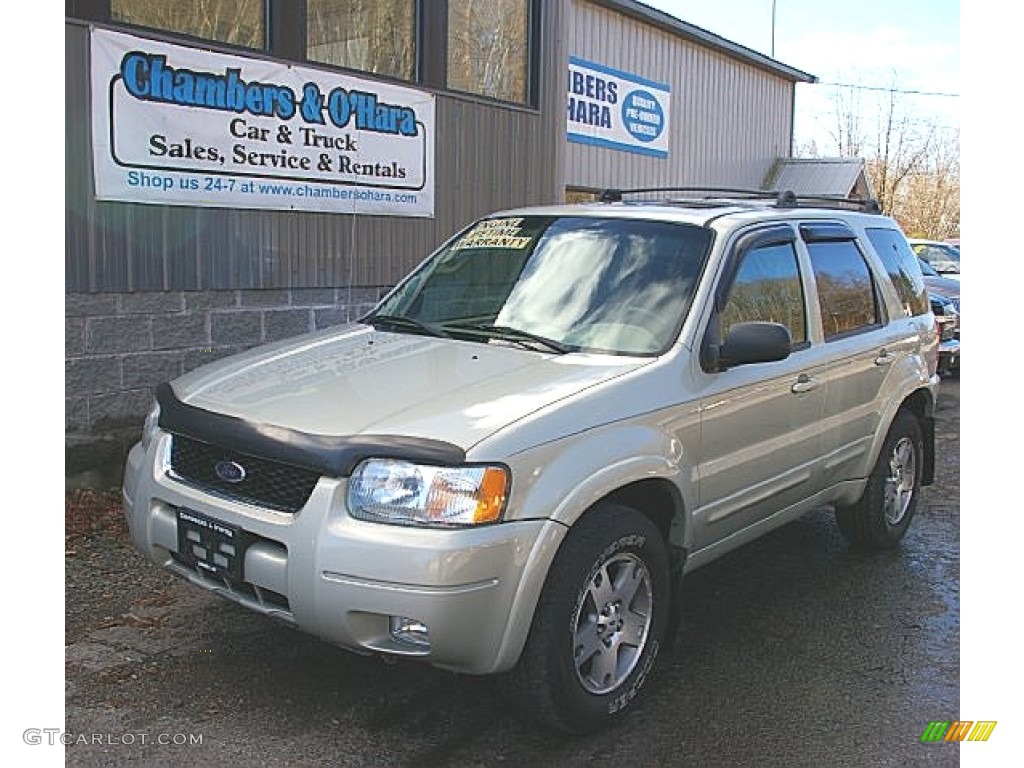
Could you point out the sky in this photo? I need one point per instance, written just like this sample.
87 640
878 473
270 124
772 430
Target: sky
908 45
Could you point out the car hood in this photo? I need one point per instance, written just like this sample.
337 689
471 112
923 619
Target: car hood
360 381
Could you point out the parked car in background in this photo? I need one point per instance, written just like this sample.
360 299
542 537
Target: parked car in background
945 300
948 319
939 284
942 257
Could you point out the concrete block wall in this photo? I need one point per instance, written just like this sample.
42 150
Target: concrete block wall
119 346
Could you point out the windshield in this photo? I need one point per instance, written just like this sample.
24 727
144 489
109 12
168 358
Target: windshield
926 268
558 283
942 258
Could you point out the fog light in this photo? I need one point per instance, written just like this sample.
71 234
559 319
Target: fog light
410 632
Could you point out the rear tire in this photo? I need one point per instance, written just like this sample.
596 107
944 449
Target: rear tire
882 515
599 624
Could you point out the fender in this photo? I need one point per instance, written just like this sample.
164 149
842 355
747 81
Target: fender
578 472
906 384
562 479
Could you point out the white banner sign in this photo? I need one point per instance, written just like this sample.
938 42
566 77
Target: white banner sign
618 110
184 126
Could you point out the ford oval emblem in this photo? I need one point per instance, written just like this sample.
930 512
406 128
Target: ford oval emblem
229 471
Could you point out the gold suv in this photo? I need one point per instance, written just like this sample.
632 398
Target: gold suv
511 463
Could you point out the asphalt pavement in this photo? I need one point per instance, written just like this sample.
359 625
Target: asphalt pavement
795 651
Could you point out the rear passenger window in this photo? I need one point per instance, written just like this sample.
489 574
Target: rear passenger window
846 291
767 288
901 264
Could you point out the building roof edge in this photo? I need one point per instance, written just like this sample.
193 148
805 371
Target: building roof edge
699 35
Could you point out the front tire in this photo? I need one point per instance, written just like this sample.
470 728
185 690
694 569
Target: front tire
599 624
882 515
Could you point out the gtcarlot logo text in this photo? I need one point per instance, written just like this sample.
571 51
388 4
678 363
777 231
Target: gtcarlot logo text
53 736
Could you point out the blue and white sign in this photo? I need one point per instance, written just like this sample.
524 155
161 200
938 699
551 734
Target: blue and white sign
618 110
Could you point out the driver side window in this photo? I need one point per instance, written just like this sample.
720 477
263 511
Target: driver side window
767 288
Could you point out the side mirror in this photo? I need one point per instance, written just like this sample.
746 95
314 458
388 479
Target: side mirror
754 343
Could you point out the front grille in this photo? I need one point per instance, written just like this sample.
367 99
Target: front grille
947 328
266 483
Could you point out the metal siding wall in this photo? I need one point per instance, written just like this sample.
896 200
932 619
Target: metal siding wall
487 157
78 179
729 120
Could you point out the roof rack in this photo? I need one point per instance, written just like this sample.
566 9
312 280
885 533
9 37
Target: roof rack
783 199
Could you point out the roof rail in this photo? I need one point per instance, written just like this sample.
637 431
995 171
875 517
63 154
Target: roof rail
862 204
783 198
615 195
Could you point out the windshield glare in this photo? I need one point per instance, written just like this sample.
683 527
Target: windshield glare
940 258
617 286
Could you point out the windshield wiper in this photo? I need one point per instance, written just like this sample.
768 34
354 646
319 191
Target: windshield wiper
403 322
517 335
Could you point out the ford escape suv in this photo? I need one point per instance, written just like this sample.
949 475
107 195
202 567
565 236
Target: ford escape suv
509 464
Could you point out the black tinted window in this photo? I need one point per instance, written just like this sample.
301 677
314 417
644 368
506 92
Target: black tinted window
902 266
846 292
767 288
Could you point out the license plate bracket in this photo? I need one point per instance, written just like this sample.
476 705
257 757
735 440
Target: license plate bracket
209 545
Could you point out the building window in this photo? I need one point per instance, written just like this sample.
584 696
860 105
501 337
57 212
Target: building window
238 22
376 36
488 48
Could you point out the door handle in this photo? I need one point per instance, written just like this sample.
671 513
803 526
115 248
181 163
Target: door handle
885 357
804 383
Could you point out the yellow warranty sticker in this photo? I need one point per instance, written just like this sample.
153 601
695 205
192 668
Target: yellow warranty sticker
495 233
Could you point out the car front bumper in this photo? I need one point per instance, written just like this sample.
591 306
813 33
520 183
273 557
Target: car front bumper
349 581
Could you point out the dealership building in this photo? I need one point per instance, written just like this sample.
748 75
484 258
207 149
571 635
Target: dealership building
242 171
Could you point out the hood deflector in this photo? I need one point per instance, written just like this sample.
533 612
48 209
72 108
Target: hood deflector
326 454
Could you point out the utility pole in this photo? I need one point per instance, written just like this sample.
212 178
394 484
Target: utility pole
773 29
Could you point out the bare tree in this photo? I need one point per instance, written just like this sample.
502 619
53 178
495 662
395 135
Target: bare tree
913 163
930 204
900 149
848 133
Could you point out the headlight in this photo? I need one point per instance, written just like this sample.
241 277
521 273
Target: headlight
389 491
150 427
